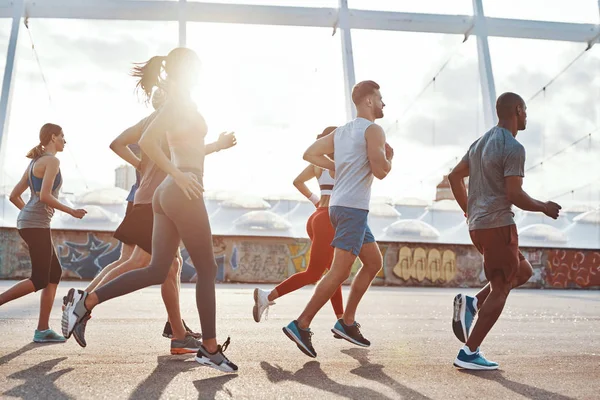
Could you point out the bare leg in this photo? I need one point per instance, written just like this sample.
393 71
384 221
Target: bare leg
20 289
370 255
523 274
339 272
138 259
46 303
170 295
126 251
489 311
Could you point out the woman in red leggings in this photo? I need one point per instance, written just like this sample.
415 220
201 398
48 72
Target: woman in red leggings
321 235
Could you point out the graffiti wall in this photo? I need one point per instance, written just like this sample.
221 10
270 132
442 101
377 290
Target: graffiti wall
270 260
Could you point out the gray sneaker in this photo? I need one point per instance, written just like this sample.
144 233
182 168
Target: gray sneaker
216 360
185 346
74 311
79 330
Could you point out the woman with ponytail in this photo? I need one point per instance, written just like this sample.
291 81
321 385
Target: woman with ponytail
44 179
177 204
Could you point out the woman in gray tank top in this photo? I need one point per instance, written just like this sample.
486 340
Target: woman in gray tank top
178 205
44 180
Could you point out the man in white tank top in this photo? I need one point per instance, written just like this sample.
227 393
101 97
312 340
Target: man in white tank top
360 152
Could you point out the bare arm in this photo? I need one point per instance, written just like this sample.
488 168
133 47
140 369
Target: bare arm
225 141
46 196
376 151
316 153
129 136
211 148
150 144
517 196
457 183
150 141
15 195
307 174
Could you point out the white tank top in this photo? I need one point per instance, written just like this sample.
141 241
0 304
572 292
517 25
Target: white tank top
326 182
353 175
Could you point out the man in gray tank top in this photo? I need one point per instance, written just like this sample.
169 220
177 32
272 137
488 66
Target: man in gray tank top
360 152
495 166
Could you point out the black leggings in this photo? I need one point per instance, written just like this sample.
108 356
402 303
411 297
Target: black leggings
45 267
175 219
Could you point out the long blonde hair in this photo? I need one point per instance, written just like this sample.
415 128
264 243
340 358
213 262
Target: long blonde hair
154 72
46 133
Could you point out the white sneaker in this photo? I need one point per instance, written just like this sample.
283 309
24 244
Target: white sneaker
261 303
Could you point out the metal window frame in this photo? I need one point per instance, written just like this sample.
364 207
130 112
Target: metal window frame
342 18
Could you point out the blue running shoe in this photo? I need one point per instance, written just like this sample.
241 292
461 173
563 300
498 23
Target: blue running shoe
48 336
462 317
302 338
351 333
475 361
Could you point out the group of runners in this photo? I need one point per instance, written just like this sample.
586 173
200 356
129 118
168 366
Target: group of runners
166 208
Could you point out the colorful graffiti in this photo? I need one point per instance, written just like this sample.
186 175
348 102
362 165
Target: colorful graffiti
271 260
432 265
571 269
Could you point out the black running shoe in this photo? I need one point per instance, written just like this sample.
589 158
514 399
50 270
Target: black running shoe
350 333
302 338
168 331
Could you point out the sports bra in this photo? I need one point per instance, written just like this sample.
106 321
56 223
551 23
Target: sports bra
326 183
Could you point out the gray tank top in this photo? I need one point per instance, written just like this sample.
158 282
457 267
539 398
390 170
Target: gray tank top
353 175
37 214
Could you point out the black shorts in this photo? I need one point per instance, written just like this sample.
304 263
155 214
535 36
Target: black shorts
136 228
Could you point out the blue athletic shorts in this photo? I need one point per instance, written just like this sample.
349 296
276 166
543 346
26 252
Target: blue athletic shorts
351 228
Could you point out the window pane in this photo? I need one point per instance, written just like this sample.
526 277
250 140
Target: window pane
277 88
582 11
566 111
454 7
429 124
289 3
89 92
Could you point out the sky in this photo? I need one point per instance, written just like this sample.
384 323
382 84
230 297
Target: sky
278 87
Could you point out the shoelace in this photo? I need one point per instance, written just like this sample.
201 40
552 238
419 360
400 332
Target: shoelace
225 345
310 334
358 330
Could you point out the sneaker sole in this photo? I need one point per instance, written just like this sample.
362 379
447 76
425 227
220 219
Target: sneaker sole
473 367
298 342
64 323
179 351
206 362
348 338
48 341
79 341
255 308
458 318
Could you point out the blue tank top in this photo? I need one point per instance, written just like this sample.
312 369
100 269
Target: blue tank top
37 214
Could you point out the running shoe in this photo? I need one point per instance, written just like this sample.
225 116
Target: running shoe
351 333
216 360
463 316
475 361
302 338
48 336
261 304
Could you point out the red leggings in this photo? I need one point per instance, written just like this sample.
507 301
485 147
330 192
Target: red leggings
321 234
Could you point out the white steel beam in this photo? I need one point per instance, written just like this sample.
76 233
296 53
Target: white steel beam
162 10
347 58
182 23
9 71
486 74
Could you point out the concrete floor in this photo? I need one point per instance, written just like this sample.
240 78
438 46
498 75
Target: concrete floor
547 343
